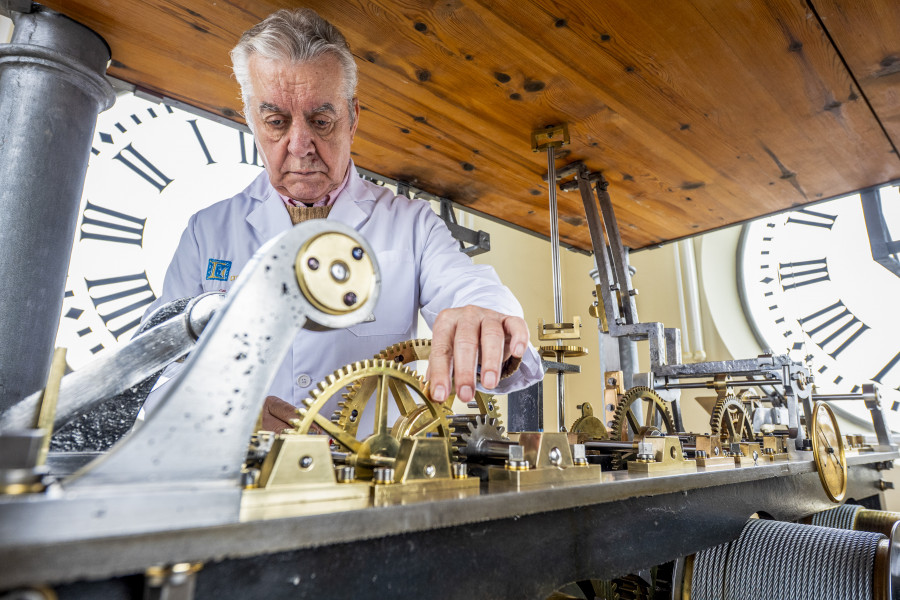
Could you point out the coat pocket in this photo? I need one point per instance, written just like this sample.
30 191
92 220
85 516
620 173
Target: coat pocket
397 307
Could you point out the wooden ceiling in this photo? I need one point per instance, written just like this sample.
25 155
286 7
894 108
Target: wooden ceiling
701 113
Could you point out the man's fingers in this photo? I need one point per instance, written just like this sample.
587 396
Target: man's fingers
277 414
438 373
466 343
516 336
493 341
463 337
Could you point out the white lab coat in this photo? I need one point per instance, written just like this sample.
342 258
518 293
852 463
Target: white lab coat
421 269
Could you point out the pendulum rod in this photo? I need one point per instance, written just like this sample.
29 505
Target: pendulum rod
557 279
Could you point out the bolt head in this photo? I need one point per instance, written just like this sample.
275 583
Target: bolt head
357 253
313 263
350 299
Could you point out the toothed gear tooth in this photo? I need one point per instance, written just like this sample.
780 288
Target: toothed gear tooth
302 411
294 422
308 401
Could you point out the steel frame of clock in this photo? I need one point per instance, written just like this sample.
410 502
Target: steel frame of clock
809 286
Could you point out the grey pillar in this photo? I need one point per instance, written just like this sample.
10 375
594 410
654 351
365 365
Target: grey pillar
51 89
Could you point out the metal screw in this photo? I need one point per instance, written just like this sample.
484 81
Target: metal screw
346 474
357 253
349 298
383 475
430 471
716 450
458 470
339 271
555 456
306 462
313 263
700 454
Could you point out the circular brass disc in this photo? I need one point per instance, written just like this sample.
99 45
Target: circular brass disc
828 452
330 277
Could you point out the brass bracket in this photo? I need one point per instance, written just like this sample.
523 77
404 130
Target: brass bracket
560 331
667 456
552 136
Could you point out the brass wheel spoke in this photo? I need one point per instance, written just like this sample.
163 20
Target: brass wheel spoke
381 404
632 423
428 427
342 437
651 416
405 402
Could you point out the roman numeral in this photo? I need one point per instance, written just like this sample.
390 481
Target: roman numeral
811 218
804 272
884 371
209 158
839 326
75 314
115 227
244 151
118 293
153 176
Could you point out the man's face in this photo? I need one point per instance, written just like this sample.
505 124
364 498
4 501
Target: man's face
302 124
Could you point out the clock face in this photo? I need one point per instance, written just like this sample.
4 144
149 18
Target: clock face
151 167
811 288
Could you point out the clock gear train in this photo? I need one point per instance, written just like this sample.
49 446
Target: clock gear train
639 507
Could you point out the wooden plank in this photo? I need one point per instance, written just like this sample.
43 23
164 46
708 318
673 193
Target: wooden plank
867 34
700 113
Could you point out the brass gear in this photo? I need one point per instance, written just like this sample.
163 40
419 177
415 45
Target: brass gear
347 414
625 427
383 379
729 421
656 414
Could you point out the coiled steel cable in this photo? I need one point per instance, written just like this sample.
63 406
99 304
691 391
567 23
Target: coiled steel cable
842 517
774 560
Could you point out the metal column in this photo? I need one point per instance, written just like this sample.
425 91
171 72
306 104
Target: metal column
51 89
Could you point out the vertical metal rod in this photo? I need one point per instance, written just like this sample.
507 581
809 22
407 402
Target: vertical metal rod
554 236
557 280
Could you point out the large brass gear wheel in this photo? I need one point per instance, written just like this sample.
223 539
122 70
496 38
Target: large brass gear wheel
382 380
349 410
656 417
653 409
730 421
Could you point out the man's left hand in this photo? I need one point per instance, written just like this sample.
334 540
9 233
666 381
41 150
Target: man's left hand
463 337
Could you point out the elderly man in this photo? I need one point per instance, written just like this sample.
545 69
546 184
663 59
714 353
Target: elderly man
298 83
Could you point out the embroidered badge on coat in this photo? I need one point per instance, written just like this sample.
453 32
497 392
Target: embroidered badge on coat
218 269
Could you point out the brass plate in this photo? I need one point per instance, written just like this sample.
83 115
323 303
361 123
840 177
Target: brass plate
330 276
828 452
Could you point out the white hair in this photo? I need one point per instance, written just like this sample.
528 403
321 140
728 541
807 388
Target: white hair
299 35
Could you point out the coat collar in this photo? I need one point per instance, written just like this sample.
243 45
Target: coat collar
269 217
350 206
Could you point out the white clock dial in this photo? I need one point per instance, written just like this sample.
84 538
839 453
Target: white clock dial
152 166
810 287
